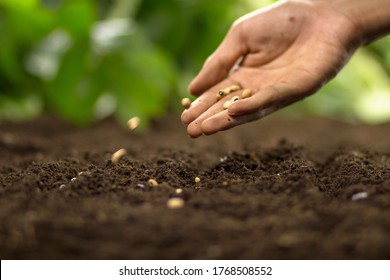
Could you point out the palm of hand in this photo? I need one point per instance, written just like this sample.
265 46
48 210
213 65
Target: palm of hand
287 52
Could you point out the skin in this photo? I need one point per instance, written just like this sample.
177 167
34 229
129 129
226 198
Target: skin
283 53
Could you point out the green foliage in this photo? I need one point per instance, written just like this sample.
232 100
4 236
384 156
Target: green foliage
85 60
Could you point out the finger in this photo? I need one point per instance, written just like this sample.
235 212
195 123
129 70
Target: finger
273 96
219 64
194 128
262 103
204 102
223 121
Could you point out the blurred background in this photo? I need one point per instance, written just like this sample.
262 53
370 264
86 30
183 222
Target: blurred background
86 60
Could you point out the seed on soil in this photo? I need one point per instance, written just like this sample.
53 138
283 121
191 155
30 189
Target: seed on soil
178 191
359 196
133 123
62 186
175 203
246 93
186 103
73 179
152 183
197 179
116 157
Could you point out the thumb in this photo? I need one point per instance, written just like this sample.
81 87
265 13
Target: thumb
219 64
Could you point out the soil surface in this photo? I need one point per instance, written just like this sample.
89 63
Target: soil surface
273 189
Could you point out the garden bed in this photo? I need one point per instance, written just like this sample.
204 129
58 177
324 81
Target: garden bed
273 189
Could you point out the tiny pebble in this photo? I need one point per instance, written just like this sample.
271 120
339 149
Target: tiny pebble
175 203
186 103
152 183
197 179
133 123
116 157
359 196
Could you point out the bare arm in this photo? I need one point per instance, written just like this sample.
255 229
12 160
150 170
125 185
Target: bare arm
287 51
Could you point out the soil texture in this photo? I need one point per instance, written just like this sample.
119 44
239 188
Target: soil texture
273 189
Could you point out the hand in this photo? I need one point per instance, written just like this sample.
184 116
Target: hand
282 53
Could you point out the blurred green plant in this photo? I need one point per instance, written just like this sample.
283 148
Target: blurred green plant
85 60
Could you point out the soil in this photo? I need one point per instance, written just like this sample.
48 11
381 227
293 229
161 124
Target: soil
273 189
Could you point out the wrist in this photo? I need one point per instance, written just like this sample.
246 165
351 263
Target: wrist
370 17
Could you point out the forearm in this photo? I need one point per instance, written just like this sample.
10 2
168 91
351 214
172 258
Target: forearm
371 17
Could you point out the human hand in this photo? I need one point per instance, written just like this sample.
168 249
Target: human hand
285 52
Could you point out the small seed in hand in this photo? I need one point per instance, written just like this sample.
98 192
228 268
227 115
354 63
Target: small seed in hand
227 104
197 179
220 94
133 123
235 98
186 103
233 88
175 203
116 157
246 93
152 183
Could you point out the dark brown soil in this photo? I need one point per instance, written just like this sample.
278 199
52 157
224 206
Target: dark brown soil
274 189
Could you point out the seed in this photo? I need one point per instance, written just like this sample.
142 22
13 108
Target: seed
220 94
178 191
186 103
73 179
235 98
224 184
133 123
152 183
197 179
246 93
116 157
227 104
175 203
233 88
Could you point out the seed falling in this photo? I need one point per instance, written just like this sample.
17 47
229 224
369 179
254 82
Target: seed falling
133 123
186 103
175 203
179 191
116 157
152 183
197 179
246 93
